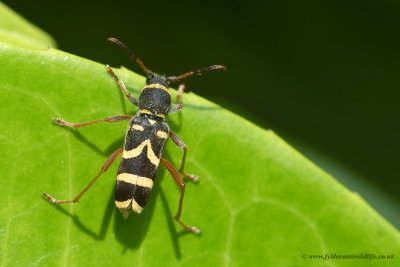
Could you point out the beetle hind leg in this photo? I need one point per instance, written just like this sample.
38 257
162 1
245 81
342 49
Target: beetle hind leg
105 167
181 184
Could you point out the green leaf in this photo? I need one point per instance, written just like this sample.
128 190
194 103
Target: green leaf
258 202
17 30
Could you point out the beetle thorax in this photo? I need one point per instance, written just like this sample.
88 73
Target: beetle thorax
155 97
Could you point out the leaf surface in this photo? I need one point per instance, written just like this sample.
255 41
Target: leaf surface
259 202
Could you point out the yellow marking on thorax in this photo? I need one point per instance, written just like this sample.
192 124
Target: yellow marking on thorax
162 134
133 153
135 179
157 86
137 127
152 122
145 111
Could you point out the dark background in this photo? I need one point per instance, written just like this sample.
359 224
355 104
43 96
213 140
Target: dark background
323 74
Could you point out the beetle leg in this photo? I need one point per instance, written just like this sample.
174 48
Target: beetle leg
181 184
105 167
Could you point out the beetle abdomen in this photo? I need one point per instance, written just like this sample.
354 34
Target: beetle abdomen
137 171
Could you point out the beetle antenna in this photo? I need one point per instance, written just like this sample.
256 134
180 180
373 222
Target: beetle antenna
130 54
196 72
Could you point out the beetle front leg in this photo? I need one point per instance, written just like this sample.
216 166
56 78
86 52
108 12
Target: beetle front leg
176 107
121 84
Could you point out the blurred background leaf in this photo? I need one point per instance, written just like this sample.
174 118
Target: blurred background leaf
17 30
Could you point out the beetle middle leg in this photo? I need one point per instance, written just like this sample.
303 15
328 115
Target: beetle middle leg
182 146
108 119
181 184
105 167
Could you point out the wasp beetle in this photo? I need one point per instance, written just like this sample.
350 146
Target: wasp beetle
144 142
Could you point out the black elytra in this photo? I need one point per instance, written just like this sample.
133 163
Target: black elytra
144 163
144 142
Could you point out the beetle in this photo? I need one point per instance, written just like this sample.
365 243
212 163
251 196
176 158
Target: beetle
144 141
